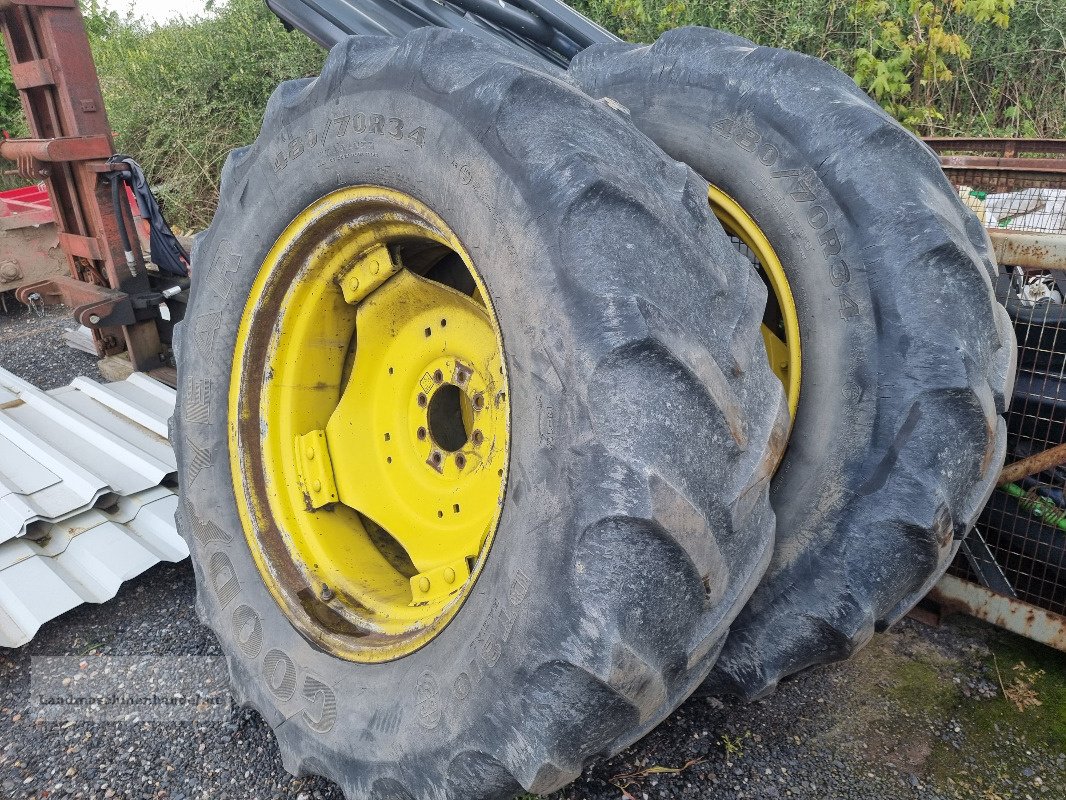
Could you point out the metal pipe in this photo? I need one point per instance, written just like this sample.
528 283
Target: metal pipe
1040 462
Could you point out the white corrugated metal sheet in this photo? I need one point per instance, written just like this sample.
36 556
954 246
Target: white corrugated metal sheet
82 508
83 559
61 451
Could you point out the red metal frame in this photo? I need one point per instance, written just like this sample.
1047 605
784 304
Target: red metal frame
53 69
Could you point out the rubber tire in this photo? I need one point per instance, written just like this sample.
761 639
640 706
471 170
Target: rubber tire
644 427
1040 329
897 440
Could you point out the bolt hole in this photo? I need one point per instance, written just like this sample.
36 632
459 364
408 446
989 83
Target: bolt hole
429 332
499 472
421 434
438 376
387 437
437 458
477 438
460 460
390 370
422 400
440 514
479 401
389 459
455 508
444 323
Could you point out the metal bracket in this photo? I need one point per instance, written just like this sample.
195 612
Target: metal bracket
31 155
984 565
316 468
440 582
94 306
368 273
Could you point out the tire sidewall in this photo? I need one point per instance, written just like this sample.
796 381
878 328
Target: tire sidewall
770 177
906 356
466 676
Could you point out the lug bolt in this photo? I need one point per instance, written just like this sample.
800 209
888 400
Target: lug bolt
478 401
423 585
422 400
460 460
438 376
326 594
477 437
437 457
421 434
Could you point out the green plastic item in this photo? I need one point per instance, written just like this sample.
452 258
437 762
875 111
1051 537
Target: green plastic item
1041 508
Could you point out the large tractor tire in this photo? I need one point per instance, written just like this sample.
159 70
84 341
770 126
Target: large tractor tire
474 429
882 324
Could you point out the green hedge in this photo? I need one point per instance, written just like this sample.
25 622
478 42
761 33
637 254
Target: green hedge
1013 83
181 95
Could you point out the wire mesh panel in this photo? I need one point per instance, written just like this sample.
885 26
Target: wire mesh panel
1018 547
1010 184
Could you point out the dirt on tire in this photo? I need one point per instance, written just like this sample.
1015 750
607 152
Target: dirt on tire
908 359
645 423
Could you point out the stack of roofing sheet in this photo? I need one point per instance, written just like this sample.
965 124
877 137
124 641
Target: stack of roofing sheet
84 503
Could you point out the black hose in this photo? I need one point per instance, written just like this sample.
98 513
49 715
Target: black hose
117 179
509 17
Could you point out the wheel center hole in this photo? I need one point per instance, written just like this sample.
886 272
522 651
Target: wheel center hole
449 410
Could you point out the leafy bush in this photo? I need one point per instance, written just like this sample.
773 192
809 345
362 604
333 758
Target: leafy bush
904 61
11 120
180 96
943 67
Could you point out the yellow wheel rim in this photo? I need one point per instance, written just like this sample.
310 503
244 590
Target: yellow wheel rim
369 423
780 329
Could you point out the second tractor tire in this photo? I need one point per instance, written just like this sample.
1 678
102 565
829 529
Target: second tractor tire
907 358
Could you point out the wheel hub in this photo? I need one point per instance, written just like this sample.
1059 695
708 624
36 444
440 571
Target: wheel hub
370 424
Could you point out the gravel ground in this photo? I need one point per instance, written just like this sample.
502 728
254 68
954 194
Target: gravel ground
32 347
919 713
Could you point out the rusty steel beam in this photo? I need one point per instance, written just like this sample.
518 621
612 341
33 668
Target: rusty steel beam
1007 148
53 69
72 293
1048 166
64 148
6 4
1032 622
1029 249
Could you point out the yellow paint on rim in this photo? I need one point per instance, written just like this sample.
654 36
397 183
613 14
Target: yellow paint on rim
784 353
369 425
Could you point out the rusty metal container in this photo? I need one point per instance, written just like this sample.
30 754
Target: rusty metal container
29 238
1011 569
